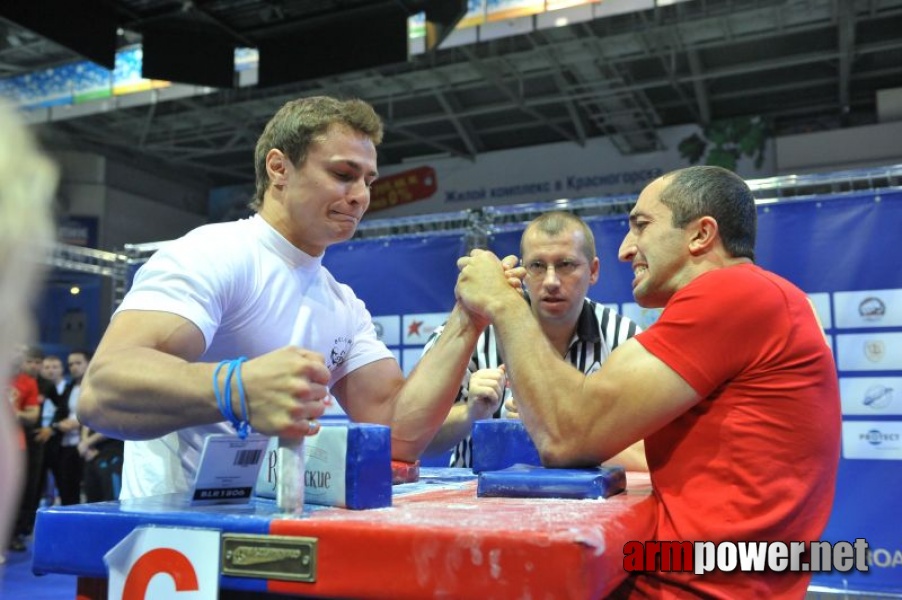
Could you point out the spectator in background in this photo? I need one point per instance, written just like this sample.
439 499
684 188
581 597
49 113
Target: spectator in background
102 457
65 462
53 410
27 183
52 370
26 401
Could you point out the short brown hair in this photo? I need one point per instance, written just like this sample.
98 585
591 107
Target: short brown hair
556 221
298 122
707 190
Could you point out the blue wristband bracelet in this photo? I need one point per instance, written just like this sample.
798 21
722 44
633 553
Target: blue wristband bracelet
224 395
216 391
243 423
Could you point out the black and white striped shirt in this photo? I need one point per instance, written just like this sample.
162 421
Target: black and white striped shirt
598 331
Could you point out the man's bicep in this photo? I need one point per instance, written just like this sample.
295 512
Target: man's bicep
162 331
365 394
645 392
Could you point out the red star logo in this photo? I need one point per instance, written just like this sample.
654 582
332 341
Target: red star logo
414 328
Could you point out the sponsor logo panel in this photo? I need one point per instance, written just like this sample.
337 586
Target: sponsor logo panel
388 329
416 329
872 440
869 352
871 395
871 308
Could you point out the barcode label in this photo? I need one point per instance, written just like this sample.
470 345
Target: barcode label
244 458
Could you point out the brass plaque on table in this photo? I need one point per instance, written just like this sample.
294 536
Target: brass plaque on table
263 556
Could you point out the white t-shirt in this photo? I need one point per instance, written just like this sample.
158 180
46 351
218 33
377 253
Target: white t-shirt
249 291
71 438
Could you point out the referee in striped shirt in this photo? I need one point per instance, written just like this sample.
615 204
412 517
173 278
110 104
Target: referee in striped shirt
558 251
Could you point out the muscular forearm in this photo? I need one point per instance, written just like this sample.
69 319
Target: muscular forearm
425 399
145 393
456 427
547 388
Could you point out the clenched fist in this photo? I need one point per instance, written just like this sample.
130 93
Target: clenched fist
485 392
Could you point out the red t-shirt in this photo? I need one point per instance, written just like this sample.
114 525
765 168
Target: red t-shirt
756 458
26 395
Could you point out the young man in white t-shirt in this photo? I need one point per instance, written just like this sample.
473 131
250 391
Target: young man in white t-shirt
257 288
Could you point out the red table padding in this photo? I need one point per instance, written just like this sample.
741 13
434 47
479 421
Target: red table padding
437 540
449 543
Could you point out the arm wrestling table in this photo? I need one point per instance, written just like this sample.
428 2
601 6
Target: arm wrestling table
436 540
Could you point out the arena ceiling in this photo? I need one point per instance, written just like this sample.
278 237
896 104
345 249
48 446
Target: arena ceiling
802 65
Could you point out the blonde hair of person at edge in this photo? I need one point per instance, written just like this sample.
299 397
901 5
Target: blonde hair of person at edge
27 184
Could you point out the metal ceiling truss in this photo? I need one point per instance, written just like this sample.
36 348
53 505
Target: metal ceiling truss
800 63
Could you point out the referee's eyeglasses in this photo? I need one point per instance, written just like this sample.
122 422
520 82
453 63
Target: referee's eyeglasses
537 268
